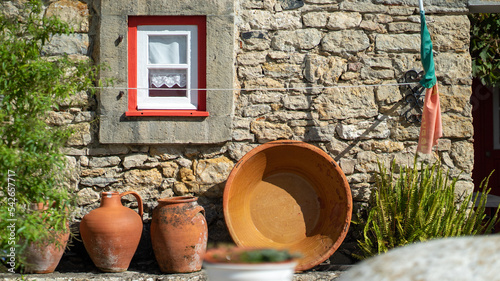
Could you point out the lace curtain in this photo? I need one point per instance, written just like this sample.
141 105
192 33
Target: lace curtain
167 49
159 77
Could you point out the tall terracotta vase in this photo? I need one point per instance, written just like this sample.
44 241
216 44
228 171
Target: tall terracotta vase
111 233
179 234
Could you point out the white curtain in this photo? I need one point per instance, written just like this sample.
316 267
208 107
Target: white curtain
167 49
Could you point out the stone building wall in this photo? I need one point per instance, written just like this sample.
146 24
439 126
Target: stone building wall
309 70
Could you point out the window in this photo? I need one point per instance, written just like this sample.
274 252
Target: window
175 115
167 66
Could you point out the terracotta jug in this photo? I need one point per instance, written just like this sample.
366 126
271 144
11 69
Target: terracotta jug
179 234
111 233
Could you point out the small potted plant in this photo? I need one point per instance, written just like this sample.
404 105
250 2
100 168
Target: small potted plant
259 264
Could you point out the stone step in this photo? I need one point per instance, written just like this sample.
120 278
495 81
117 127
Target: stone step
141 276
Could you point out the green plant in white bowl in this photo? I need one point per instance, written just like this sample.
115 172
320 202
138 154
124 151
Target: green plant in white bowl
259 264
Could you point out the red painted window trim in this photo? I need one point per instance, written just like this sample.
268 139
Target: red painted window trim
133 22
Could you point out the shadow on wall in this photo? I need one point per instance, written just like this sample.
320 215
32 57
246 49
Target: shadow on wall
363 136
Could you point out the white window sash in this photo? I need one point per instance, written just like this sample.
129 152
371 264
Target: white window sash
144 101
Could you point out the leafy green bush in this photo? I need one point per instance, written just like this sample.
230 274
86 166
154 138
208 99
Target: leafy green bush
485 48
418 205
32 163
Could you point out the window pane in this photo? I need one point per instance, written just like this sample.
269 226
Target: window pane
167 49
169 82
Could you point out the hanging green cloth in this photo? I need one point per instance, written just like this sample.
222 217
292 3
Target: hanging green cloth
431 129
429 79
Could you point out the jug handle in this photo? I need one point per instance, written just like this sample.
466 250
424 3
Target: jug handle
199 209
137 197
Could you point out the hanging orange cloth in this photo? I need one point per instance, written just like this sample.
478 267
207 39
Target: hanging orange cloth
431 128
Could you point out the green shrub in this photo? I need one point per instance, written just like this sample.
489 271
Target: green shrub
418 205
32 163
485 48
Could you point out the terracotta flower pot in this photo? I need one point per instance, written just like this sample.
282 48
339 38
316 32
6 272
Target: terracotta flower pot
44 256
111 233
288 194
179 234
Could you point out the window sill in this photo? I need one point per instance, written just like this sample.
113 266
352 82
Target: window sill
183 113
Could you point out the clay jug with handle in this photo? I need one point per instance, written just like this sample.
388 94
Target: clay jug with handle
179 234
111 233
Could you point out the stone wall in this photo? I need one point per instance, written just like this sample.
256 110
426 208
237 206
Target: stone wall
333 54
318 66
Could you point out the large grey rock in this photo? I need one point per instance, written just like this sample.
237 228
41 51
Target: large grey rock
452 259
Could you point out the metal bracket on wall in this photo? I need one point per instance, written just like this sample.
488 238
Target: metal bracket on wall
414 97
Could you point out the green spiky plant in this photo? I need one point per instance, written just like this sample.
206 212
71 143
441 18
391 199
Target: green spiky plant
418 205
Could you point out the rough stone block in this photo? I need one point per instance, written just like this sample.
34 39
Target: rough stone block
98 162
301 39
150 179
213 171
343 103
397 43
364 130
77 43
81 135
349 41
316 19
135 160
75 13
343 20
265 131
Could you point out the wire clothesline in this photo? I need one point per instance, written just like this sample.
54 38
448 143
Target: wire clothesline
264 88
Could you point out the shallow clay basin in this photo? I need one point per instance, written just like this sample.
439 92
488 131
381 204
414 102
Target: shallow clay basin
288 194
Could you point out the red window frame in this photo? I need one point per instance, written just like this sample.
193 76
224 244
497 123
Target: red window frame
133 22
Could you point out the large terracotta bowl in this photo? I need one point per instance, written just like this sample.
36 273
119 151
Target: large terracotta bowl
288 194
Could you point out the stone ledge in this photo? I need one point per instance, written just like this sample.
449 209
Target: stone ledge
140 276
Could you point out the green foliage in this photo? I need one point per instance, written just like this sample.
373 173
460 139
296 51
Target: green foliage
485 48
419 205
31 158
